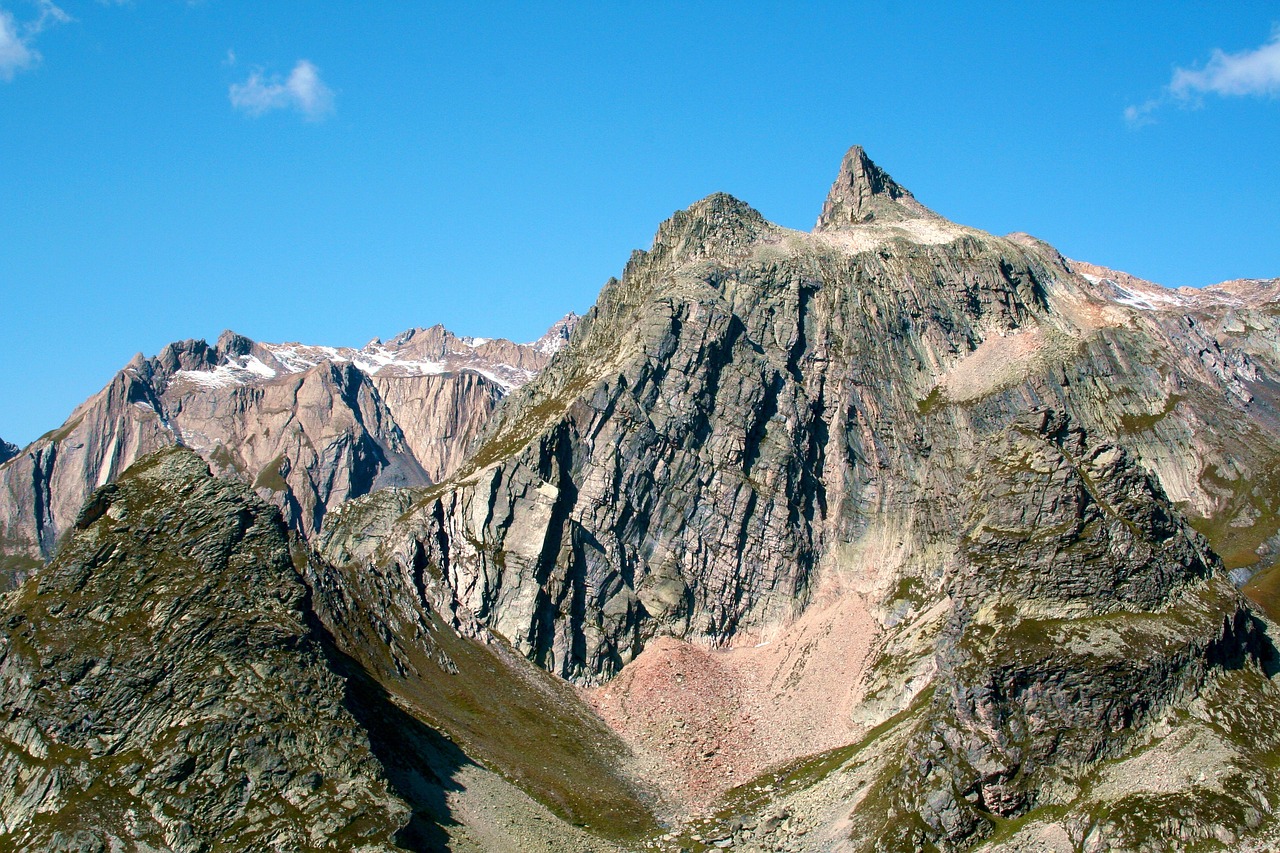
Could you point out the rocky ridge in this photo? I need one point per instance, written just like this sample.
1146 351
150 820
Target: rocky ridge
309 427
160 685
178 679
1082 609
7 451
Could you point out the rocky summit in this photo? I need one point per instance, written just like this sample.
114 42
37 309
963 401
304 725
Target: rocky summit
894 535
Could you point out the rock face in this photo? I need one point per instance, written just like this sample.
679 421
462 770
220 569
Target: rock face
161 686
308 426
7 451
1083 608
865 193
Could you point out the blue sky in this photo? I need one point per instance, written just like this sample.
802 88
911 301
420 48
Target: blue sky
331 172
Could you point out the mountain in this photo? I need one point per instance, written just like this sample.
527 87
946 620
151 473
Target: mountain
890 536
168 685
308 426
7 451
760 442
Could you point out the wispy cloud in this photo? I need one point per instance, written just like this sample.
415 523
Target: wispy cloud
17 41
15 53
1247 73
302 90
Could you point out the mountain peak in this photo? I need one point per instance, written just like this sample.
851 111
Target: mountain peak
558 335
863 192
233 344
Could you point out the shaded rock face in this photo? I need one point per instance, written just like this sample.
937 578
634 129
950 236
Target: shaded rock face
308 427
747 404
7 451
160 686
1083 608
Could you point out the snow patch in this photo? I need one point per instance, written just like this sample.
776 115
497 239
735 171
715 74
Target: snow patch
1144 299
236 371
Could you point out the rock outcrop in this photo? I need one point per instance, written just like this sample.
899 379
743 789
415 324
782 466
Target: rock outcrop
864 193
161 688
7 451
184 676
1084 609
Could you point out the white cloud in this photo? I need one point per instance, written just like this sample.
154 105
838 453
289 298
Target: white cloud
1249 72
15 53
49 15
17 49
303 91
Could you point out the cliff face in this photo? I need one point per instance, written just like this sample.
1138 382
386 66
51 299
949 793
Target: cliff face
309 427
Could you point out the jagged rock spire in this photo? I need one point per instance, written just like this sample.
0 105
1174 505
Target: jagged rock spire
863 192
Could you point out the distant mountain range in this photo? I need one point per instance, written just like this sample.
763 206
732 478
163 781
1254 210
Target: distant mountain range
894 535
308 426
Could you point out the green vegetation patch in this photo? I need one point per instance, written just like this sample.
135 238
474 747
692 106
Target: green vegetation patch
518 721
1257 498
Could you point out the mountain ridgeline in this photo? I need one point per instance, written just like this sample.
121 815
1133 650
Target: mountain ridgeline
893 535
308 426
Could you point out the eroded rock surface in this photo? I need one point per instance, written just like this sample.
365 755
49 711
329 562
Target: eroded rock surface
160 686
1084 609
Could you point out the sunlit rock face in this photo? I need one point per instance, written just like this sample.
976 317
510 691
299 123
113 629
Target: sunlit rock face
307 426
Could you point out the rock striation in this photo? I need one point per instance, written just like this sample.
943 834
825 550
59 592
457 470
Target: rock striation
161 688
864 193
1083 608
